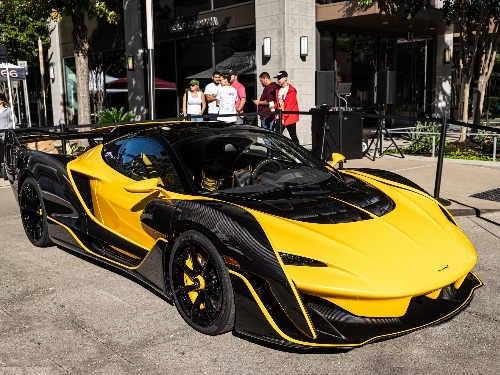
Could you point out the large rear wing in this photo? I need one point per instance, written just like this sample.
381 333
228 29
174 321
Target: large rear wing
93 134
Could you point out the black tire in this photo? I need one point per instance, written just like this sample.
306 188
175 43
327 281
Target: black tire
200 283
33 215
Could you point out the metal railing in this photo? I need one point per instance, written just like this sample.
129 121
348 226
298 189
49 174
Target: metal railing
63 129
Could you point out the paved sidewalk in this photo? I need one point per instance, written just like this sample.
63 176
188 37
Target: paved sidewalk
460 180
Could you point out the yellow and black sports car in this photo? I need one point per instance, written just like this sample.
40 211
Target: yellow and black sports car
244 230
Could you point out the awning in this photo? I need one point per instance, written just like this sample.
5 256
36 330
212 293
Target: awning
122 85
243 62
16 73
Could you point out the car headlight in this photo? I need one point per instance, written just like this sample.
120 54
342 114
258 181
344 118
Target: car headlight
297 260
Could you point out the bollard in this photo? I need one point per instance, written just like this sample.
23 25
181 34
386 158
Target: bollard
495 148
439 169
62 129
433 146
341 118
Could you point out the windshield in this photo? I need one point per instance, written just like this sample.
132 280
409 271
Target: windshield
250 163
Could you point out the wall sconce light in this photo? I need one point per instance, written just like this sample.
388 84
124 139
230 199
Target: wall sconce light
266 51
52 74
303 46
447 56
130 62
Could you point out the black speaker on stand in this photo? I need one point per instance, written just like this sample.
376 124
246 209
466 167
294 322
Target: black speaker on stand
325 88
385 93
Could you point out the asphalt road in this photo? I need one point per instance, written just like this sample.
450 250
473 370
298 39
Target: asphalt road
62 314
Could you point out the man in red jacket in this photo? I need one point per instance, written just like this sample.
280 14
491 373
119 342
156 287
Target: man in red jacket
286 99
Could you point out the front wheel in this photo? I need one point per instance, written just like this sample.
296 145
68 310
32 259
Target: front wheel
200 284
33 213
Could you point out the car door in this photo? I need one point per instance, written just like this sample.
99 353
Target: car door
113 166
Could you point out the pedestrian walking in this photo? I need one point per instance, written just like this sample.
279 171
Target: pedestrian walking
286 97
7 121
242 95
266 101
211 94
193 102
227 98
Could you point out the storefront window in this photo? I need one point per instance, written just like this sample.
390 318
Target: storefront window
225 3
411 76
357 63
190 7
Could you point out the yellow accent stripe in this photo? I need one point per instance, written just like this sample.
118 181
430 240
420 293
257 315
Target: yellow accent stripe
288 338
100 256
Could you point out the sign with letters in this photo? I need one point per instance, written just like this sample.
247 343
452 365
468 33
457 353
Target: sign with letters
195 24
15 73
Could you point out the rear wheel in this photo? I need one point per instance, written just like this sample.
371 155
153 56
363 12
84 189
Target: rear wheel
33 215
200 283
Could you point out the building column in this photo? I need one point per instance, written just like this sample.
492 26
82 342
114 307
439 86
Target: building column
442 76
57 83
137 89
285 21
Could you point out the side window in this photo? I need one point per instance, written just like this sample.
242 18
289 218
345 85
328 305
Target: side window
142 157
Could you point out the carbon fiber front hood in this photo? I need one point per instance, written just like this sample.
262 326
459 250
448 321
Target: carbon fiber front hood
346 203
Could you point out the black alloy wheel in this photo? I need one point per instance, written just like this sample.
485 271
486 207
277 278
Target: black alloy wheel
33 215
200 283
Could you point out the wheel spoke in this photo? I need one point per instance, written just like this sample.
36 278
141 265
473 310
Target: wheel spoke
187 288
188 271
215 289
196 308
210 308
208 266
29 208
194 259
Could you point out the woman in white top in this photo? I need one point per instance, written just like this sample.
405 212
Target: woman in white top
7 121
193 102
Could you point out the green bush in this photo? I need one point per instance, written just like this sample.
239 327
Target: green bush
113 115
493 102
422 143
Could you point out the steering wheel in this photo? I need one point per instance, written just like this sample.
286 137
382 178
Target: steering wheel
261 164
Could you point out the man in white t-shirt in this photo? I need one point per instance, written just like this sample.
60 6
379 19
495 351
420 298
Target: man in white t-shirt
226 100
211 94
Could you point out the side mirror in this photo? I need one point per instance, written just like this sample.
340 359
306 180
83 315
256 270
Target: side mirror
337 158
146 186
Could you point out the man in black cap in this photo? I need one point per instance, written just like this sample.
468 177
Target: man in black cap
266 101
242 96
286 99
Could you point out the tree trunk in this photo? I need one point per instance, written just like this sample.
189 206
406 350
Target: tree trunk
481 90
81 46
465 110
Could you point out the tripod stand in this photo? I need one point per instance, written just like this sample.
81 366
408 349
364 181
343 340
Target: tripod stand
378 137
324 138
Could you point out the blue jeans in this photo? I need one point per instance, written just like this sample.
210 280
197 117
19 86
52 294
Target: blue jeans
239 120
267 123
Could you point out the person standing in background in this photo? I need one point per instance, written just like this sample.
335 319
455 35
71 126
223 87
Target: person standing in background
193 101
242 95
266 101
286 98
226 100
7 121
211 94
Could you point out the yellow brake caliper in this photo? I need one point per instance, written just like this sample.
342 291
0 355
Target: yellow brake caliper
187 281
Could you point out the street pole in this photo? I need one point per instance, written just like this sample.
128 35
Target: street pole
42 80
151 59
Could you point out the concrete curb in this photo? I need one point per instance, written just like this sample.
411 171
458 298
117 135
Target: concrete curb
494 164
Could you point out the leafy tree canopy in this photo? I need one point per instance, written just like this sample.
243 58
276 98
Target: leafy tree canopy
21 26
